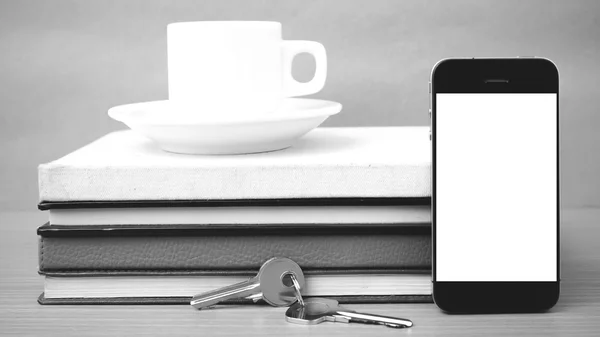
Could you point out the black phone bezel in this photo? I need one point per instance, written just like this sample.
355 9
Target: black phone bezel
508 75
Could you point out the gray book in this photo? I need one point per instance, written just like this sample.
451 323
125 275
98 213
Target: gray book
233 247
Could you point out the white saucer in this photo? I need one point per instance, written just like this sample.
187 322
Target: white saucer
165 124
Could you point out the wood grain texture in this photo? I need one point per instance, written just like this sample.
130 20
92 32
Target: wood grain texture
577 313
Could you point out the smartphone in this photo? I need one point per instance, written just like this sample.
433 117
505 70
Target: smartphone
495 185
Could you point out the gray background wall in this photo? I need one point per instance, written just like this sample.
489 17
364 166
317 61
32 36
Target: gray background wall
64 63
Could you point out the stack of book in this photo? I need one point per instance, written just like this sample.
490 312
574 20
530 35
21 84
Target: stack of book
129 223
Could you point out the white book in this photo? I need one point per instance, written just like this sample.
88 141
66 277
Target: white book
413 214
362 162
188 286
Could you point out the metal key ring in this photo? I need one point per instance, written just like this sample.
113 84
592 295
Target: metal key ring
297 289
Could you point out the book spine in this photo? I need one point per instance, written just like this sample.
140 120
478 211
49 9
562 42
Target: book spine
337 249
64 183
186 300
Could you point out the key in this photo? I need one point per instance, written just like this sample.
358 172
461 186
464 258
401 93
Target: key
272 284
318 310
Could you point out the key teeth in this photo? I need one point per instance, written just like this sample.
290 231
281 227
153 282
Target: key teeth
255 298
196 305
341 318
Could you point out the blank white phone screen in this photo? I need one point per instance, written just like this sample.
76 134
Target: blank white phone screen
496 187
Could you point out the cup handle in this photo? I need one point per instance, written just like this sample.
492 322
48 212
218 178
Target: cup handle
290 49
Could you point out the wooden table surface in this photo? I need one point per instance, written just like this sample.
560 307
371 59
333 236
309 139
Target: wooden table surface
577 312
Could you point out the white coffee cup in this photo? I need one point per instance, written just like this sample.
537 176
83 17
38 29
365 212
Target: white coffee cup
236 68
